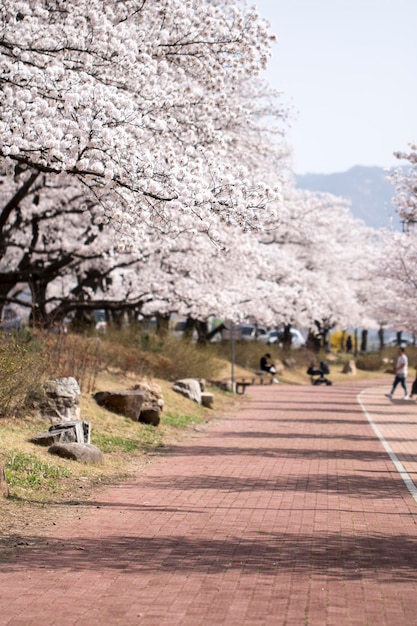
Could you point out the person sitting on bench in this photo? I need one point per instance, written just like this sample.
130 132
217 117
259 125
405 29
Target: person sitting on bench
266 366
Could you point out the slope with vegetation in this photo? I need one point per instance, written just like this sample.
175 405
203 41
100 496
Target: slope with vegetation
112 362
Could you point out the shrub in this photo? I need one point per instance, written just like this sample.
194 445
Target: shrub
147 354
369 362
19 367
185 359
80 356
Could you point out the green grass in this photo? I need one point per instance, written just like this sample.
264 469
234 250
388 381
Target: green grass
149 440
27 471
179 420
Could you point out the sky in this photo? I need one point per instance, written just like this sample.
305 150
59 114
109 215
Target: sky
348 68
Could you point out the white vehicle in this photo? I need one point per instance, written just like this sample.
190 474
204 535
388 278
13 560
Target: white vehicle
251 332
275 336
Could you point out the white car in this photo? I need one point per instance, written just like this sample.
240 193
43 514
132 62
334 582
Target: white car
251 332
275 336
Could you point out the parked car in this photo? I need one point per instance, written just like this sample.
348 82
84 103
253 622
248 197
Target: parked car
276 336
251 332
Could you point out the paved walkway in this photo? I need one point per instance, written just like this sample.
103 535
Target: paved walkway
289 512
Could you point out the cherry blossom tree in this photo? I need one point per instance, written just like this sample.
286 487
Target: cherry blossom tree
124 122
395 305
404 180
303 271
397 265
333 252
136 102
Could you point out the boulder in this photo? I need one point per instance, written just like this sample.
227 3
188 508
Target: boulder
128 403
82 452
153 403
57 400
190 388
150 416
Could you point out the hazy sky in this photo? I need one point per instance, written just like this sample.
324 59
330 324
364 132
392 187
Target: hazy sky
349 69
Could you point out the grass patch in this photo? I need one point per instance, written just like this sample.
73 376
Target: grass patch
149 439
29 472
179 420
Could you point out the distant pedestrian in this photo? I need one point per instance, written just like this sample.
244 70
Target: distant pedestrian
401 371
349 344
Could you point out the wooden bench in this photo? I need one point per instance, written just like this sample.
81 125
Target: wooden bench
258 378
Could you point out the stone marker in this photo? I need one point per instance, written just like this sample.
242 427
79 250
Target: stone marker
66 432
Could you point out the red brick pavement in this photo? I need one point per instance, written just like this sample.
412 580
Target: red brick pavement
288 512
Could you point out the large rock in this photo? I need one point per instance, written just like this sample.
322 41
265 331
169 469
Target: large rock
190 388
82 452
57 400
127 403
153 403
150 416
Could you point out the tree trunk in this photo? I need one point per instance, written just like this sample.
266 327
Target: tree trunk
364 340
286 337
381 338
162 324
190 325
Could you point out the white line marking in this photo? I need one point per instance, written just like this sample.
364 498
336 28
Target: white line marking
397 463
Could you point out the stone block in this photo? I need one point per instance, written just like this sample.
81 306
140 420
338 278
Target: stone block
207 399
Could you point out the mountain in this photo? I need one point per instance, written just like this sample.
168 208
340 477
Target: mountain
366 188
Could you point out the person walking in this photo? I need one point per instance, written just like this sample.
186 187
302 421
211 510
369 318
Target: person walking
401 371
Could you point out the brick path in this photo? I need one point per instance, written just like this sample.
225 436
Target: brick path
288 512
